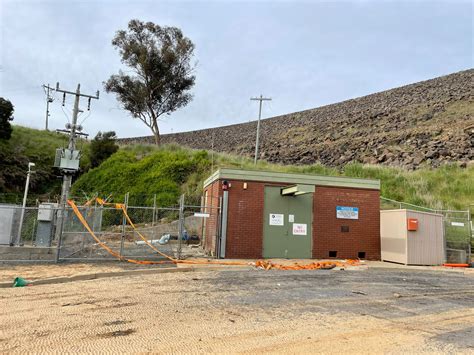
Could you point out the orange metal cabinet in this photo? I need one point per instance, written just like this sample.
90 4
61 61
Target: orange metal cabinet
412 224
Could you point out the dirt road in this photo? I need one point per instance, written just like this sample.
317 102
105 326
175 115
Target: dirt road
247 311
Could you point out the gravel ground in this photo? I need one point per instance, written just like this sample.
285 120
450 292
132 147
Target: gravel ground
245 311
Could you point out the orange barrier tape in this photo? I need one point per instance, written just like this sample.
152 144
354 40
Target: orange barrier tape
263 264
103 245
142 237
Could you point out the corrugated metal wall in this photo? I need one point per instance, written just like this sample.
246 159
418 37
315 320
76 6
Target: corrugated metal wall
426 246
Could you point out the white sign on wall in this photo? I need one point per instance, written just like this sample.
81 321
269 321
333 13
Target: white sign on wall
457 224
299 229
276 219
291 218
344 212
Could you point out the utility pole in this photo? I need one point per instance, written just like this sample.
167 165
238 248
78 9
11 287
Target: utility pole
47 90
25 195
261 98
70 162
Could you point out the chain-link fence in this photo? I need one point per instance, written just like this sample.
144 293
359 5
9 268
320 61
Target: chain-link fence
157 225
176 231
179 231
29 226
457 229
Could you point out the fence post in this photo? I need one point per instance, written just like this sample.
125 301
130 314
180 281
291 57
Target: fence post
445 237
154 211
180 226
469 228
59 230
124 223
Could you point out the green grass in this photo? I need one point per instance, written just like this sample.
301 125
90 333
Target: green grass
145 170
167 171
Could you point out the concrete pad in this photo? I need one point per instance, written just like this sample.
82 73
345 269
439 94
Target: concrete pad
389 265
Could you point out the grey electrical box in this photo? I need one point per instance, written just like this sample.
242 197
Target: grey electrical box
44 229
9 218
67 159
45 211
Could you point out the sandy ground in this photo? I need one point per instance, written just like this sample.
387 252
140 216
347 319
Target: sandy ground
245 311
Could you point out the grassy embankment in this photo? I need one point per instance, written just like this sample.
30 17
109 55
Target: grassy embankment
170 170
30 145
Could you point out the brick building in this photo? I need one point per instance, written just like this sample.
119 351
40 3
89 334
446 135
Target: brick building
280 215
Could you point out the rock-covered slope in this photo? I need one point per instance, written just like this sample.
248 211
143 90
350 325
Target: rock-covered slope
426 123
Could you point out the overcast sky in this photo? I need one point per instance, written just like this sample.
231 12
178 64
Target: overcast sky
302 54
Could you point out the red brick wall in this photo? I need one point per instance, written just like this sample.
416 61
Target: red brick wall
364 233
245 221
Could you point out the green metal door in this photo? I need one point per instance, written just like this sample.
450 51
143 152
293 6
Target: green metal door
300 230
287 230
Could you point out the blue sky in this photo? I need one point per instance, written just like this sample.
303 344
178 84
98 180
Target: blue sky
302 54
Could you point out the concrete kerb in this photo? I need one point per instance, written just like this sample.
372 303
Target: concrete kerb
100 275
210 267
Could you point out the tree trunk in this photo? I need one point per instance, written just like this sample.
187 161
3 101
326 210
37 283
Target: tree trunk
156 133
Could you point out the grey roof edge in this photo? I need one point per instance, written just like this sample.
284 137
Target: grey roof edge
295 178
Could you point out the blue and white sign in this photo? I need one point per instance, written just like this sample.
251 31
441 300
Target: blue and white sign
344 212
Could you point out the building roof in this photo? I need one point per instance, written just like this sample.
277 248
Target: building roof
291 178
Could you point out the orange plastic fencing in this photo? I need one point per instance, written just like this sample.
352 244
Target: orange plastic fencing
262 264
103 245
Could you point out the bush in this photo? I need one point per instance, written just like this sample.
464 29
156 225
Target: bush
161 172
102 146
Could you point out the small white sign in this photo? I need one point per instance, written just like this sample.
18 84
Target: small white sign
457 224
299 229
344 212
277 219
291 218
205 215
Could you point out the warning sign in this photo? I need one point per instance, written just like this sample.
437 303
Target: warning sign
276 219
299 229
347 212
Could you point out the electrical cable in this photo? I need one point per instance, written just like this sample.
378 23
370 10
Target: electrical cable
85 118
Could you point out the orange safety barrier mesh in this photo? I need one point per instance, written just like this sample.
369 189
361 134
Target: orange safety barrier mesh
127 217
263 264
103 245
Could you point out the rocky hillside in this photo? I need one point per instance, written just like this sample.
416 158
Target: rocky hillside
426 123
